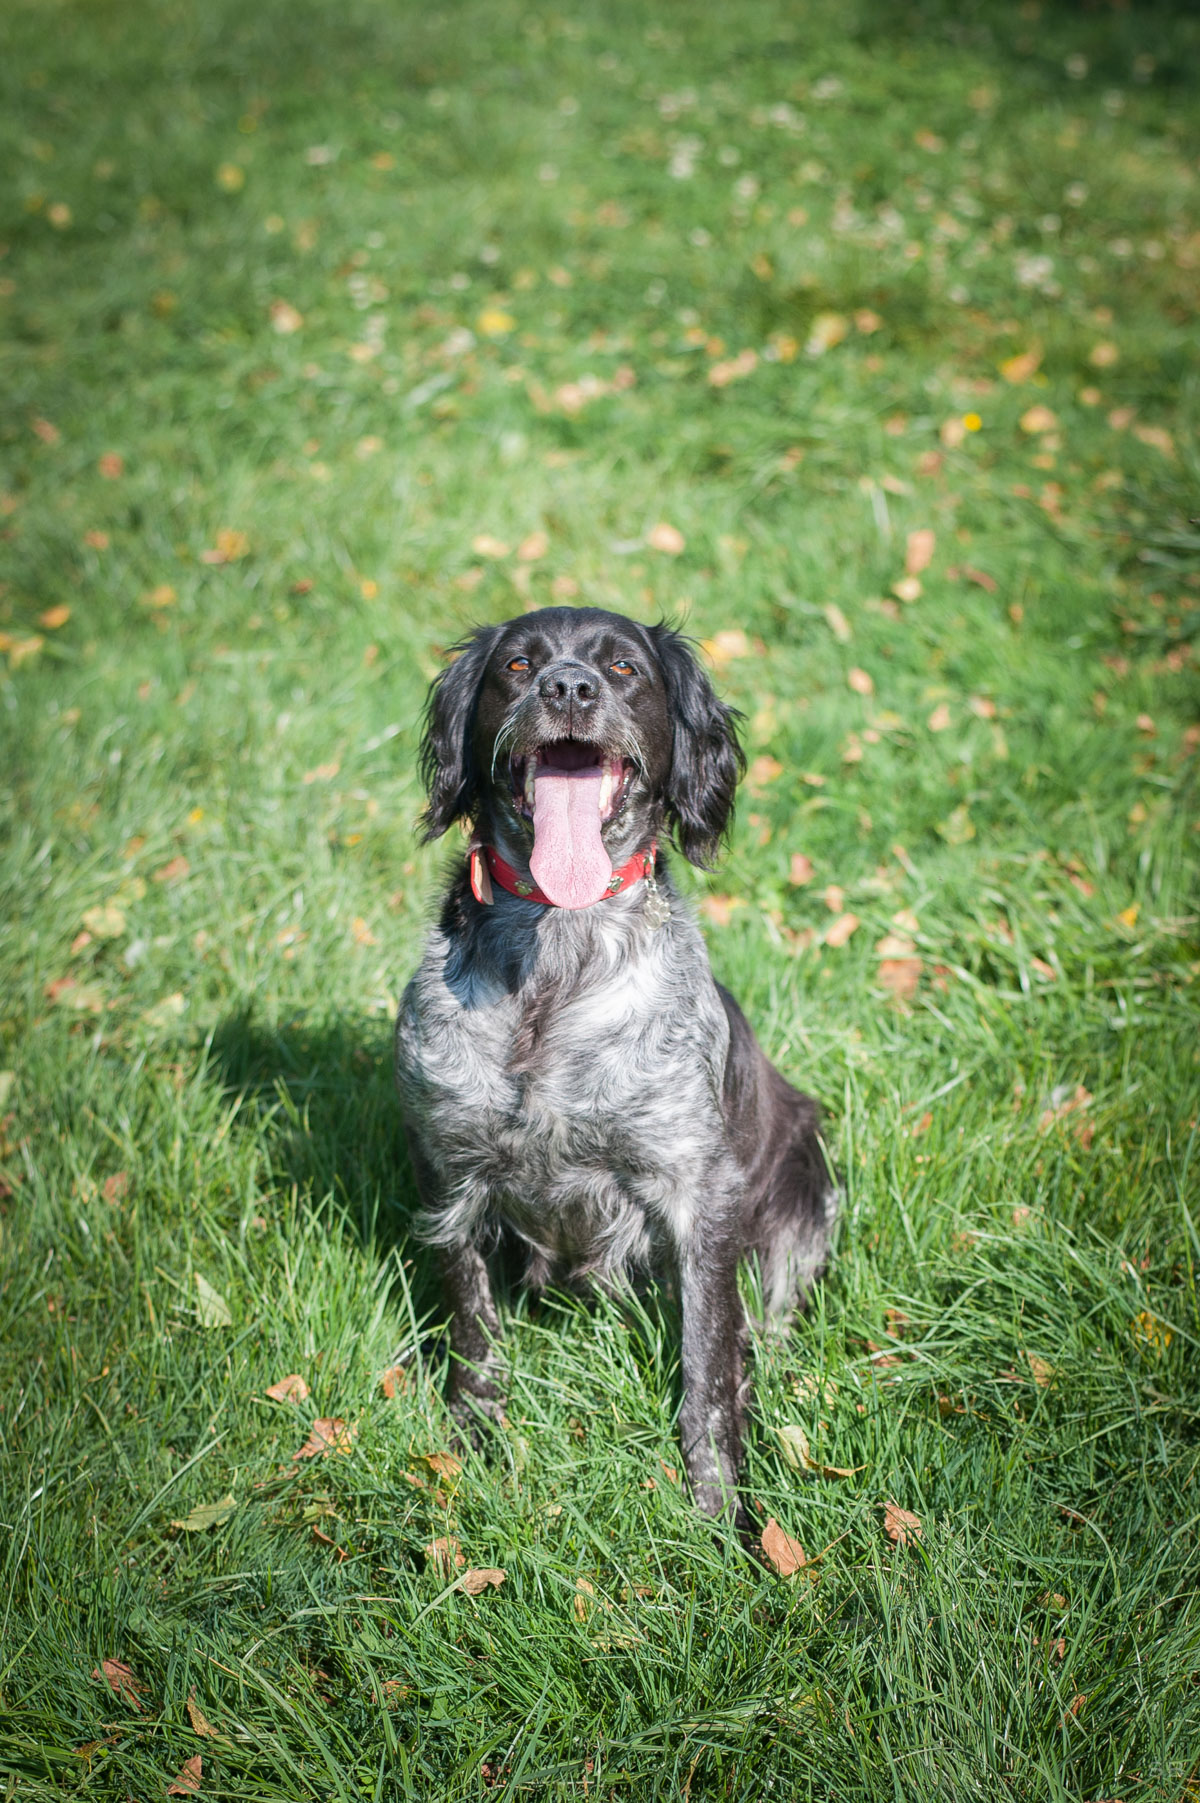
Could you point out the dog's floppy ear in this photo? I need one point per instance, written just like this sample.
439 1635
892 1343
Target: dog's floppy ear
447 757
706 757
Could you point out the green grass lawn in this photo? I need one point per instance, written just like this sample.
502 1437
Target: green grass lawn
860 339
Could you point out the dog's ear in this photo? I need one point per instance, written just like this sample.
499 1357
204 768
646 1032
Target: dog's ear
706 757
447 756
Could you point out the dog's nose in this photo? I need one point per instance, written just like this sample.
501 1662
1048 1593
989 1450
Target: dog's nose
568 685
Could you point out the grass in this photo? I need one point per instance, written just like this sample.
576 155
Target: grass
346 299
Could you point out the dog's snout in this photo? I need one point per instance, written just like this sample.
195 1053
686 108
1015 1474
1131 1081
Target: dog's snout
568 685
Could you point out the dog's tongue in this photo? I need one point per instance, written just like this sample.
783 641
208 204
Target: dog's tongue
569 863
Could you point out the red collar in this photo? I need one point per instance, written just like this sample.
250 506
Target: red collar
482 860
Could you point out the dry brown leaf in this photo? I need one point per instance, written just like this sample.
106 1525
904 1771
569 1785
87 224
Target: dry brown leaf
901 977
394 1381
187 1778
172 872
1044 1373
1021 367
484 544
285 319
939 719
834 898
533 547
120 1676
54 617
841 929
860 681
800 870
900 1525
289 1389
764 769
798 1454
1061 1106
786 1555
444 1556
919 549
231 544
329 1434
111 466
666 538
1039 419
444 1465
322 773
200 1722
477 1580
719 908
729 643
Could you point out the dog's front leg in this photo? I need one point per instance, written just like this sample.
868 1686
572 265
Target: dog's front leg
474 1327
714 1343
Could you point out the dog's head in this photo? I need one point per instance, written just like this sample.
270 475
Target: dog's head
570 736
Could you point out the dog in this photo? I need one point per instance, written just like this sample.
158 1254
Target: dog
572 1077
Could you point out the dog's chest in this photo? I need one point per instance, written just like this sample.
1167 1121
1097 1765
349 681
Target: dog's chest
612 1115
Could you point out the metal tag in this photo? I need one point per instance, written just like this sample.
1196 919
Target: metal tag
657 909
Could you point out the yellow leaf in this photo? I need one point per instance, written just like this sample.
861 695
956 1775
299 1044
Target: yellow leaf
105 922
1128 916
485 545
826 331
838 624
54 617
285 319
1021 367
162 596
860 681
723 646
231 177
1149 1331
1039 419
494 322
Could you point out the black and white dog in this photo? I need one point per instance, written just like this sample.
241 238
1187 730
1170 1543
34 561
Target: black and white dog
571 1074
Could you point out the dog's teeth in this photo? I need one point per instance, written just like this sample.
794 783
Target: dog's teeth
606 788
530 778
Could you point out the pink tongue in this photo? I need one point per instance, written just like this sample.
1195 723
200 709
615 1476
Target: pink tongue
569 862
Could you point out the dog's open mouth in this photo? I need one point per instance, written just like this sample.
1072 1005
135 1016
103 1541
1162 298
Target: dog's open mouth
570 789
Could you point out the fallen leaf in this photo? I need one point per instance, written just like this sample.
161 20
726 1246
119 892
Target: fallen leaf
908 589
477 1580
104 922
289 1389
174 872
1104 355
165 1013
838 624
798 1454
285 319
22 649
1157 437
800 870
664 537
860 681
841 929
785 1554
361 933
1039 419
826 331
485 545
231 544
116 1187
394 1381
900 1525
1021 367
1128 916
719 908
445 1466
733 369
42 428
533 547
1148 1330
764 769
1063 1103
494 322
206 1515
444 1556
200 1722
1043 1371
329 1434
725 645
111 466
958 828
54 617
919 549
901 977
939 719
212 1310
120 1676
161 596
187 1778
923 1125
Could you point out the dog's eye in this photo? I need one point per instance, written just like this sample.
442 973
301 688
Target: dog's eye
622 667
519 663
